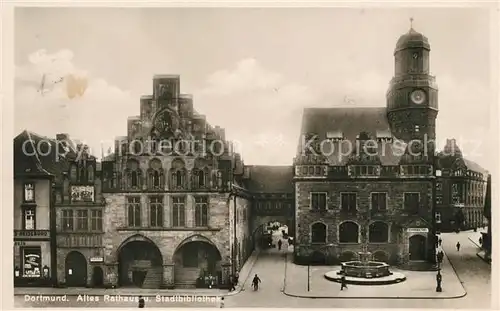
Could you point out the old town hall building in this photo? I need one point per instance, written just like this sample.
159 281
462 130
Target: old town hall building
174 205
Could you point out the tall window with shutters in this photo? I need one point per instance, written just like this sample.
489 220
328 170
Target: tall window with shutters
201 212
29 215
178 211
348 202
379 201
82 220
67 220
156 212
134 211
96 220
318 201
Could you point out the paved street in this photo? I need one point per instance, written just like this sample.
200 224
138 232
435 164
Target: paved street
270 266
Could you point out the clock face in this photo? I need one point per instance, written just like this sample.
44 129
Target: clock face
418 96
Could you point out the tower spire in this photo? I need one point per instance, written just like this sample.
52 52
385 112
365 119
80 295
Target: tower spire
411 23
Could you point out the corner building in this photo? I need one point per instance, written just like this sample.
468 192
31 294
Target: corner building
357 185
172 213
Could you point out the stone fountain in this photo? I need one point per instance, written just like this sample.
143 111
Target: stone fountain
365 271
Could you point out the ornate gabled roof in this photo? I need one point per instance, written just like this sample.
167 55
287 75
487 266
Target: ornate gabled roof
351 122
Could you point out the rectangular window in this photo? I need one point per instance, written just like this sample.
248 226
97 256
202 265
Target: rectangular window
318 170
201 212
437 217
134 211
156 212
82 220
178 212
32 262
412 202
439 186
439 200
96 220
318 201
379 201
29 192
67 220
348 202
29 218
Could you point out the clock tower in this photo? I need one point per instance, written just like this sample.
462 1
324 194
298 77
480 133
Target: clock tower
412 98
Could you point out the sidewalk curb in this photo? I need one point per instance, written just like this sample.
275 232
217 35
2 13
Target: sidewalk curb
252 259
251 263
375 297
474 242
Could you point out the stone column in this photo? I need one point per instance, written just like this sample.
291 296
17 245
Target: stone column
405 256
168 275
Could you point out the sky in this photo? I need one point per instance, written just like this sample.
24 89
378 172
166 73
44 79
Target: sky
251 71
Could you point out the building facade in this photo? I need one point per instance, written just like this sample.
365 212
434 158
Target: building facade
364 177
460 191
34 237
172 213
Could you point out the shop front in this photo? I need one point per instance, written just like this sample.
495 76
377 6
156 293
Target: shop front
32 263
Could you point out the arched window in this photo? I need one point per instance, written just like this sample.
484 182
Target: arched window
81 177
349 232
378 232
156 179
318 233
201 178
178 174
155 174
90 173
134 179
133 174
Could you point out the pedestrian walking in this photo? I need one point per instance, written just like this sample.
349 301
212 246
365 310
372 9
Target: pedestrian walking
440 241
439 279
481 241
343 283
221 302
141 302
236 277
279 244
458 246
231 283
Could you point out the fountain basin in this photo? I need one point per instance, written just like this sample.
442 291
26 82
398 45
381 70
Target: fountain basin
393 278
367 270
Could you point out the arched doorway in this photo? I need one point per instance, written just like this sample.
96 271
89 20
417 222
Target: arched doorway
196 257
97 277
266 234
417 247
76 270
140 263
